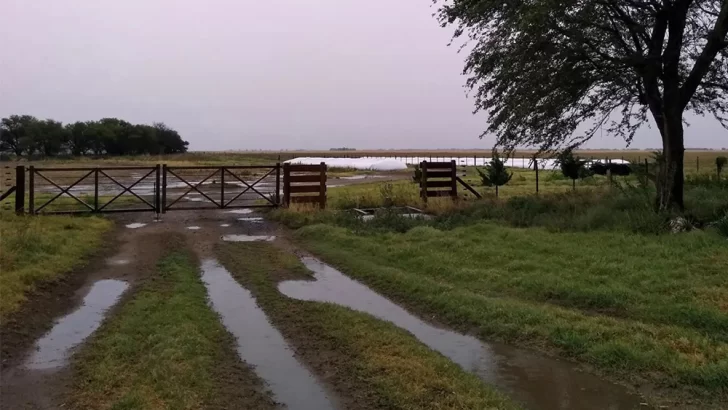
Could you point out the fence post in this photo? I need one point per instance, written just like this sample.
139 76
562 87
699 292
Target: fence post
423 181
278 183
96 189
156 189
19 189
535 167
287 184
31 190
322 192
222 187
697 164
164 188
454 178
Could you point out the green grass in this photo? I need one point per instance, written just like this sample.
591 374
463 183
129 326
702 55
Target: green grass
636 307
387 367
165 349
35 250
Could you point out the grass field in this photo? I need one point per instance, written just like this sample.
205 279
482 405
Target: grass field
636 307
35 250
376 363
165 349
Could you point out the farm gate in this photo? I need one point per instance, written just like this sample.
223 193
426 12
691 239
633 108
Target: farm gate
162 188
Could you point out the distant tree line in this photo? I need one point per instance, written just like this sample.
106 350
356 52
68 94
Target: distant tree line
28 135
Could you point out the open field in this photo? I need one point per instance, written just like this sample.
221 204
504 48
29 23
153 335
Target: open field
642 309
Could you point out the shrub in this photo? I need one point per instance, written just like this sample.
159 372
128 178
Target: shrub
720 163
496 173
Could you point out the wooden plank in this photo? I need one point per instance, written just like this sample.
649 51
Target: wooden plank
439 184
299 189
453 181
439 165
306 199
431 194
469 188
439 174
305 168
305 178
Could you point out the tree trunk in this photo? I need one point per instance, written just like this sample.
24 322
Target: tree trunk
573 185
496 191
671 177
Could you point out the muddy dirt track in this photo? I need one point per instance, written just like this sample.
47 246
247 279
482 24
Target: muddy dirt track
35 367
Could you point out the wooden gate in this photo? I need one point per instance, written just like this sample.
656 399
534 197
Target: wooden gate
93 190
220 187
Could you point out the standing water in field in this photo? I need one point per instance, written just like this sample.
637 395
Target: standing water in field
536 381
53 349
259 343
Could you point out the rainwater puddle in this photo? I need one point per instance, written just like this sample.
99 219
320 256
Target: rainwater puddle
259 343
53 349
243 211
194 228
254 219
135 225
225 225
117 262
247 238
536 381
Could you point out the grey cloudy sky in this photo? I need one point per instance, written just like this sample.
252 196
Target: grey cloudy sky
265 74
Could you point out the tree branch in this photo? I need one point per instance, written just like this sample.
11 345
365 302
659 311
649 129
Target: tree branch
716 42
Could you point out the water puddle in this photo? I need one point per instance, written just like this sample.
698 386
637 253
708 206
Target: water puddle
194 228
224 225
254 219
247 238
53 349
117 262
243 211
136 225
259 343
537 381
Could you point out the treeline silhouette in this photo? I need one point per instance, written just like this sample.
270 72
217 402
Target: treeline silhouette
26 135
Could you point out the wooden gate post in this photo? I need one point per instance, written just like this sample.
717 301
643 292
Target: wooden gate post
157 190
423 181
287 184
322 187
19 189
454 177
164 188
278 182
31 190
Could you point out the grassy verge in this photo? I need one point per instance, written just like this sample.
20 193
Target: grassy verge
638 307
374 363
165 349
34 250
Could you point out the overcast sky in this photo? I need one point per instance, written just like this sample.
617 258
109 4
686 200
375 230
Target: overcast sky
264 74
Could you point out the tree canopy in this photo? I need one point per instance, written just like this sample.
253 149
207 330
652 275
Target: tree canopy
28 135
552 73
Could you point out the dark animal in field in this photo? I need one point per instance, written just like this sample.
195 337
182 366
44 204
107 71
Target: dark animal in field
617 169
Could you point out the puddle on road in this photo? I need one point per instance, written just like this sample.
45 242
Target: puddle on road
117 262
254 219
225 225
53 349
247 238
136 225
243 211
537 381
259 343
194 228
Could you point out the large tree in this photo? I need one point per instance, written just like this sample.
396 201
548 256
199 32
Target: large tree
551 73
